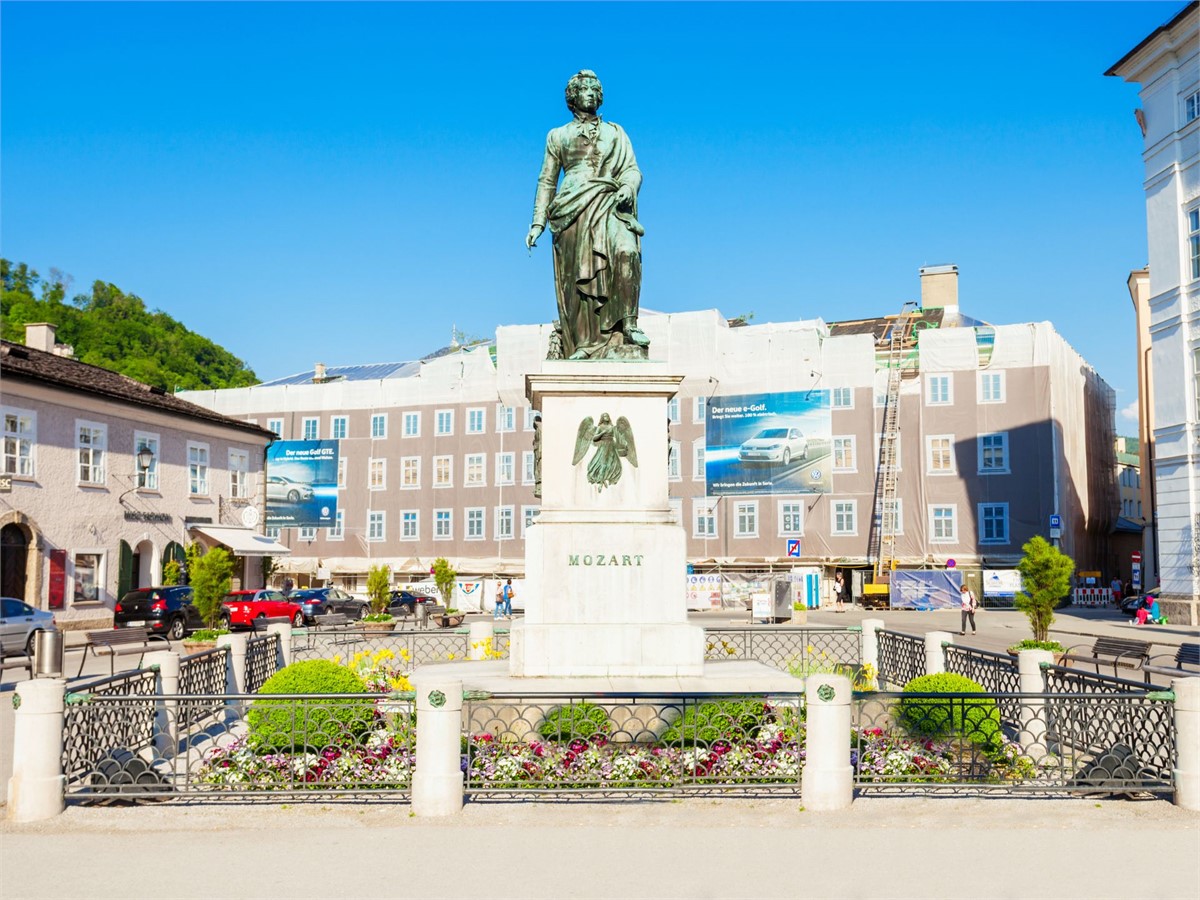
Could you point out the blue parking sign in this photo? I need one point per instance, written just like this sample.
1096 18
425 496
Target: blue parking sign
793 548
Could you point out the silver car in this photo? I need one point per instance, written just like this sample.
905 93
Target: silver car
19 622
775 445
281 488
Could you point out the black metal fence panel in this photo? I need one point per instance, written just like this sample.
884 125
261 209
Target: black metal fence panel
262 660
204 673
414 647
901 657
996 673
96 726
785 648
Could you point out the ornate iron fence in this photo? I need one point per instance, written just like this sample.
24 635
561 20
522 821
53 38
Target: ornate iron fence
785 647
97 726
204 673
415 647
996 673
262 660
1063 680
901 657
633 744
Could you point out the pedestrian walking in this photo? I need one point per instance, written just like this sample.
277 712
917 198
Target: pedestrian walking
1117 590
969 605
508 594
498 609
839 592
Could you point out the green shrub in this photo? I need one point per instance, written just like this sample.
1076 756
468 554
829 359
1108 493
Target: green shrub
309 724
1029 644
974 720
732 720
580 720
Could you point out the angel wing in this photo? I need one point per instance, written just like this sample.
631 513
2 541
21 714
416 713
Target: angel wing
623 437
583 439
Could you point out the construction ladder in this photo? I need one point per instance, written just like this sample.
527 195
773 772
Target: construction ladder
881 546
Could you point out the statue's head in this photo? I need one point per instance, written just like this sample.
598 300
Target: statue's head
578 80
605 419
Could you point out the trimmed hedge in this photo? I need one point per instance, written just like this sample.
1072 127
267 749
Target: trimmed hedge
286 725
975 720
581 720
731 720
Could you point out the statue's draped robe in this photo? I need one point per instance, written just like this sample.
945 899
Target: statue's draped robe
597 249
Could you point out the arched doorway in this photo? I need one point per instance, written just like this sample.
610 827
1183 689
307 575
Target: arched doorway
173 552
144 570
14 554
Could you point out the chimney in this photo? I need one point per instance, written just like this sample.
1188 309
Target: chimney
319 373
939 287
40 336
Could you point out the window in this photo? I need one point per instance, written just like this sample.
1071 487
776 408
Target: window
148 478
337 531
529 516
841 398
844 455
505 466
412 424
197 468
1194 241
308 533
410 529
893 517
312 429
443 471
476 420
943 527
91 439
506 418
474 523
443 524
530 415
704 517
745 517
698 459
699 410
845 518
1191 107
939 454
376 525
20 437
443 421
939 391
673 462
239 474
991 387
341 475
791 518
410 473
527 472
993 453
504 523
673 410
275 425
379 425
274 532
376 474
338 426
474 476
88 577
993 523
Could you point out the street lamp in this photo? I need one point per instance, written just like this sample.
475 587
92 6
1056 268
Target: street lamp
145 458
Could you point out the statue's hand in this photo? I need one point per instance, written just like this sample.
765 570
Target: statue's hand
535 232
625 198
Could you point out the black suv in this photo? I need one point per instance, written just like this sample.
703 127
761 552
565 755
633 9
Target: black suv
318 601
162 610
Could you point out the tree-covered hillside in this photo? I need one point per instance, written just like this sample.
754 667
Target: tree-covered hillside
113 329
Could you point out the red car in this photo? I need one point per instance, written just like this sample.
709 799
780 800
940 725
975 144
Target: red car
241 608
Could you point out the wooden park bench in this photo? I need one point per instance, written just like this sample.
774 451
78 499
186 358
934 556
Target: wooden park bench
430 612
114 642
263 623
15 661
1120 653
1186 662
339 624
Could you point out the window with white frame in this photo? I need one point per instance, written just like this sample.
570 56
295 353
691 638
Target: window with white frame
673 410
939 390
308 532
1193 221
893 517
896 447
410 473
410 529
704 517
341 473
791 518
527 471
991 387
1191 107
506 418
239 474
505 465
337 531
91 442
274 532
943 523
699 410
475 523
845 457
698 459
993 453
529 515
339 427
845 518
147 478
504 523
993 523
376 525
476 420
673 462
530 414
745 519
443 471
197 468
841 398
443 524
275 425
20 438
411 424
311 429
443 421
939 454
473 472
376 474
89 576
379 425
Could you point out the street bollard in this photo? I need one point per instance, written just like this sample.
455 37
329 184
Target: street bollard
480 637
437 786
37 789
1187 742
1034 728
870 643
284 656
828 779
935 656
237 661
166 715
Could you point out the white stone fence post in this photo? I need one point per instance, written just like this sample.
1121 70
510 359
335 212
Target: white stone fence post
935 656
1187 742
437 787
870 644
1031 680
828 779
237 661
480 639
284 656
37 789
166 716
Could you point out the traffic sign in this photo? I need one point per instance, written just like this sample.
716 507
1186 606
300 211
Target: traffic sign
793 548
1136 557
1056 521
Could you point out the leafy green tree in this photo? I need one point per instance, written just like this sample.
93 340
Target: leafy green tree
379 590
444 576
1046 579
212 577
171 573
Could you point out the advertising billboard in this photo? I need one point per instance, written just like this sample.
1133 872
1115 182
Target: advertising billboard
768 443
926 589
302 484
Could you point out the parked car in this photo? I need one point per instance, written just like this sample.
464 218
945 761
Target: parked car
1131 604
775 445
163 610
19 623
239 609
404 603
318 601
281 488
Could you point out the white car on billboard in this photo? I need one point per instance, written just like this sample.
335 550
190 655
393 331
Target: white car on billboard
281 488
775 445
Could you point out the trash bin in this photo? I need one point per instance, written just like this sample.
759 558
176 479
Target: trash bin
48 654
422 616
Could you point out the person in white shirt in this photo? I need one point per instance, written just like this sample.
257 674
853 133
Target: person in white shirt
969 605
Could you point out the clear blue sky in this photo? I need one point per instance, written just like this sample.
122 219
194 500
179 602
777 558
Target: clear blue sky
345 182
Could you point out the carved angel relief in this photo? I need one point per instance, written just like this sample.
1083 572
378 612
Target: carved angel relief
611 442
